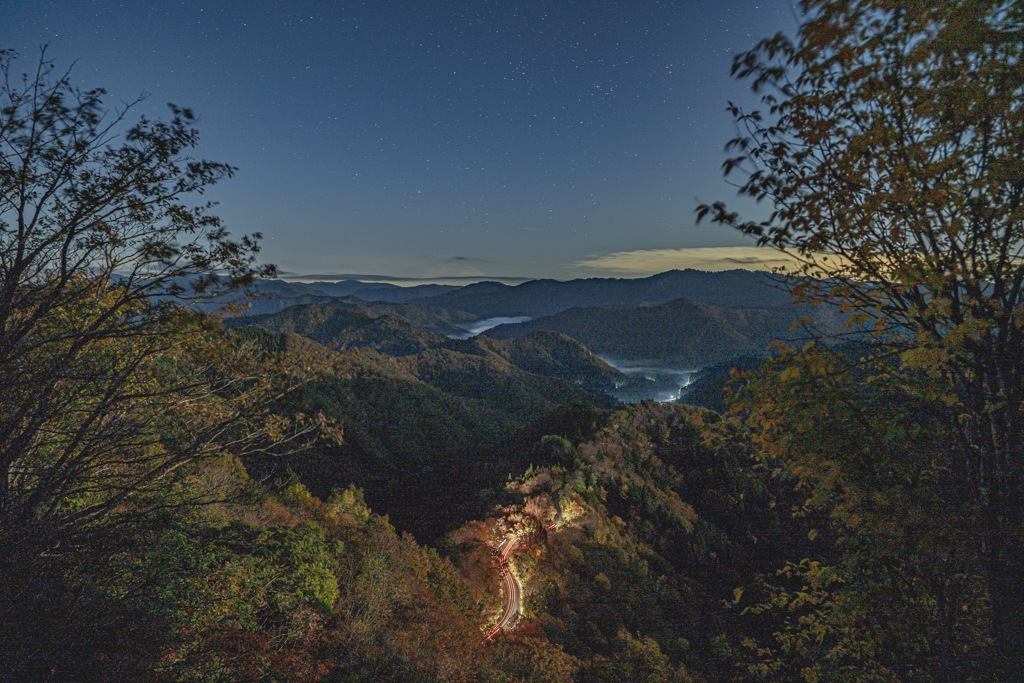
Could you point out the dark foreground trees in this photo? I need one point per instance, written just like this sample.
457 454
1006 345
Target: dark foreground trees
110 385
889 584
890 147
112 394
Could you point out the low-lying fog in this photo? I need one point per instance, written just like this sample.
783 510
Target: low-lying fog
646 380
475 328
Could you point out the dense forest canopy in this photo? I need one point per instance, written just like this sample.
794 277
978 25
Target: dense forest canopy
184 500
889 147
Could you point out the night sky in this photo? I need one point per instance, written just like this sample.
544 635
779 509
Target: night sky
439 138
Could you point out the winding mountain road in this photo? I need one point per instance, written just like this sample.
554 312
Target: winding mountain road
513 591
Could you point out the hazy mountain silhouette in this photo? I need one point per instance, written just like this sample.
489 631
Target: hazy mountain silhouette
681 333
544 297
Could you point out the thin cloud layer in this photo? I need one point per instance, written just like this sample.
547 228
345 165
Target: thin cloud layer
650 261
402 280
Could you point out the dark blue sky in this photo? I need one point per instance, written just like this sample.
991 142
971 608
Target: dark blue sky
436 138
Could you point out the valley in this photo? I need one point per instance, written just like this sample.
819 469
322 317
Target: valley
653 334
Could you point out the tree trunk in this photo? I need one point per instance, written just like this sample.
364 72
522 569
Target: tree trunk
1006 591
1004 550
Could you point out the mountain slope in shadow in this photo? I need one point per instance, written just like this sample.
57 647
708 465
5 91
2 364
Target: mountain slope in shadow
681 333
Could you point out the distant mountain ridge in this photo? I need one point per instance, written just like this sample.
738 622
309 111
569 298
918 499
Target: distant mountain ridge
545 297
682 333
532 298
270 296
377 291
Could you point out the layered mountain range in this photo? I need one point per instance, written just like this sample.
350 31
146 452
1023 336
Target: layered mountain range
532 298
682 332
656 331
545 297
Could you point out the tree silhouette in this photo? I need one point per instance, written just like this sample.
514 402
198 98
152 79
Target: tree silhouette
111 390
889 146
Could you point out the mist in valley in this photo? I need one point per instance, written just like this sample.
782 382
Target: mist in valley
481 326
648 380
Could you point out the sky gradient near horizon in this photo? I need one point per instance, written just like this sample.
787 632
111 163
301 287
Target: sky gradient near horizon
424 139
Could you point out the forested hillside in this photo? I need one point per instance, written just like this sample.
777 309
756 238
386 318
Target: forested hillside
546 297
680 333
342 323
263 297
411 420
